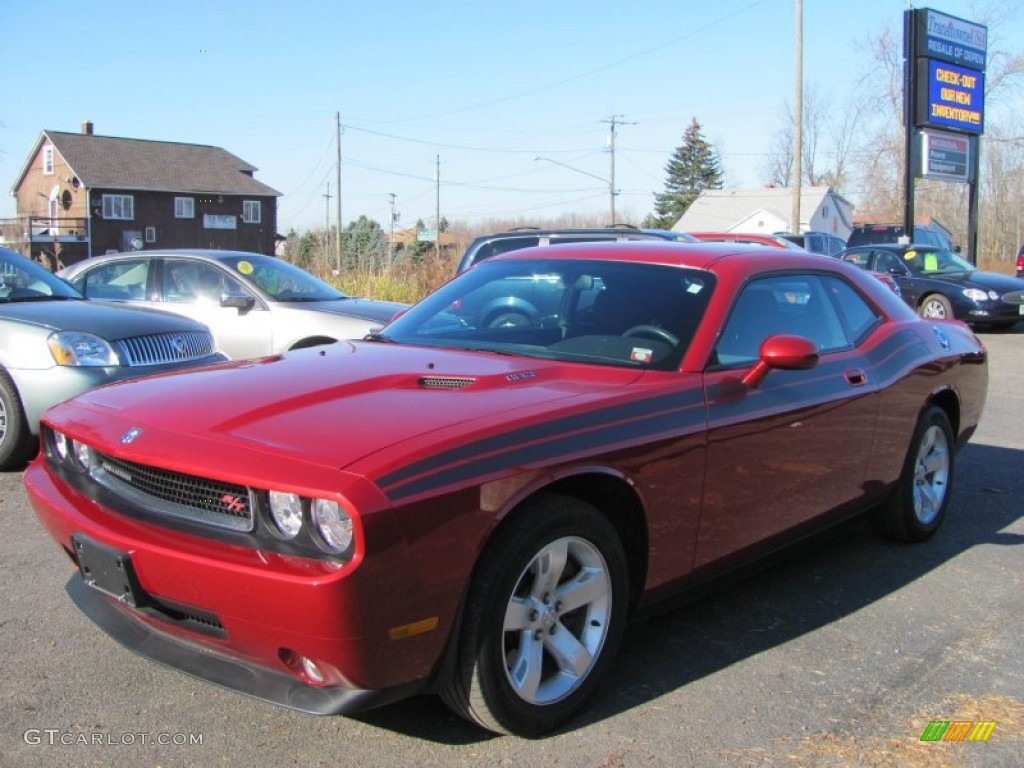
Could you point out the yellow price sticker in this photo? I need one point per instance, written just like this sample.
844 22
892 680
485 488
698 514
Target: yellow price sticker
245 267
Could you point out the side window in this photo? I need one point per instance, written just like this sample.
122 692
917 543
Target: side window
504 246
860 258
193 281
788 304
889 263
116 281
859 318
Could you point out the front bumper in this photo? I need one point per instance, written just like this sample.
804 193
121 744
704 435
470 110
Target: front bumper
232 673
246 618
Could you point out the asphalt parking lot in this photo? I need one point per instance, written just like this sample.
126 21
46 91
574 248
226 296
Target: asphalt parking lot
839 656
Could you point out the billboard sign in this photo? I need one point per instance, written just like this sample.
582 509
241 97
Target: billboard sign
950 39
945 156
950 97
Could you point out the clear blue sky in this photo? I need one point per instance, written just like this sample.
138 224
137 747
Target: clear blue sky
487 86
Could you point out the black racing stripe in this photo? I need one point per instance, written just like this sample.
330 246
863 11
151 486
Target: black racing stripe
891 359
593 441
534 432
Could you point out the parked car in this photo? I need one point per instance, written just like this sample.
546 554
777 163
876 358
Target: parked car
931 234
750 238
530 237
938 283
54 344
816 242
478 511
254 304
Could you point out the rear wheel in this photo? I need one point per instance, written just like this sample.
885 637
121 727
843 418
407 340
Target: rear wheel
17 444
918 505
544 617
935 306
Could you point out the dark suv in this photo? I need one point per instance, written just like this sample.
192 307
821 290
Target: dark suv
527 237
924 234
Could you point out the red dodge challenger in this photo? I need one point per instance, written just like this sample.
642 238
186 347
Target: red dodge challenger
477 499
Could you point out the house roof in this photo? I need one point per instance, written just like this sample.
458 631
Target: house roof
109 162
722 209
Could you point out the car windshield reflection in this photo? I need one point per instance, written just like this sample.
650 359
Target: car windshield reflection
599 312
936 262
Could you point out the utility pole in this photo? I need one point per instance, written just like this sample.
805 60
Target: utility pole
612 121
340 250
327 222
437 234
798 121
391 240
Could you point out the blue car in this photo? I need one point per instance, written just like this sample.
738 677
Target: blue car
939 284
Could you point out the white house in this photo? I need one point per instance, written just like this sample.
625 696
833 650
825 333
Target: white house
767 210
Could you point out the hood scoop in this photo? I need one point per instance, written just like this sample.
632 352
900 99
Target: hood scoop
444 382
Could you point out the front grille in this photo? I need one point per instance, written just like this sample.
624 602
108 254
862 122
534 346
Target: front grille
444 382
187 497
162 348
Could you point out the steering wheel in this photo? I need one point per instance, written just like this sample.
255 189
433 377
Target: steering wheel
652 330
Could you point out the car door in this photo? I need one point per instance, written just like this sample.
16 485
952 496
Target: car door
794 448
196 288
889 263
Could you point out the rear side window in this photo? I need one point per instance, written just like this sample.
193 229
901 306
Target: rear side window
503 245
858 317
117 281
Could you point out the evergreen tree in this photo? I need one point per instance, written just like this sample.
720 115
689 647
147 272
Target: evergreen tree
692 168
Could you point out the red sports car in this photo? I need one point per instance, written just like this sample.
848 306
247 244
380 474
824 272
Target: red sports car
476 510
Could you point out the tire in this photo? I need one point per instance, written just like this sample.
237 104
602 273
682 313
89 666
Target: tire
535 643
935 306
17 443
918 505
509 319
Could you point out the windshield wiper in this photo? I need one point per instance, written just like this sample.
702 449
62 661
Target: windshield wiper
378 337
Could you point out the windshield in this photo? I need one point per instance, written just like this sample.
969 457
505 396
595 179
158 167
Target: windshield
935 262
21 279
588 311
280 280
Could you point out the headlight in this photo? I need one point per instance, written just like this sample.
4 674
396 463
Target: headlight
60 445
286 510
81 349
333 524
976 294
82 453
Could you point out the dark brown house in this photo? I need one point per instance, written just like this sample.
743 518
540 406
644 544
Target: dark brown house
80 194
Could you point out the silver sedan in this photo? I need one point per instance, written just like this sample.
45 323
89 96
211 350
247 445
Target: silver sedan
254 304
54 344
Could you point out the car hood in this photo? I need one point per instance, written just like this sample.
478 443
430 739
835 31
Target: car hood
330 406
366 309
111 321
990 281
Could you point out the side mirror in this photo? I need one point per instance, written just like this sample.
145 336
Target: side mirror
787 353
243 302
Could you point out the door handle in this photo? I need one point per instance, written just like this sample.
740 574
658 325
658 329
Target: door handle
855 377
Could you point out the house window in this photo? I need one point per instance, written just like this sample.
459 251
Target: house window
118 207
184 208
150 234
251 211
48 159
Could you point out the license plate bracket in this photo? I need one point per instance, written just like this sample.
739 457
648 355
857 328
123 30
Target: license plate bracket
108 569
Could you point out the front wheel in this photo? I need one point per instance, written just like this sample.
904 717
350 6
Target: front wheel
17 443
935 306
544 617
918 505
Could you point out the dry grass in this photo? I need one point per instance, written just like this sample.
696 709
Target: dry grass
868 750
403 282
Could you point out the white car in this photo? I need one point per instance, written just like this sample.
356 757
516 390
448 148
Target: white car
255 305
